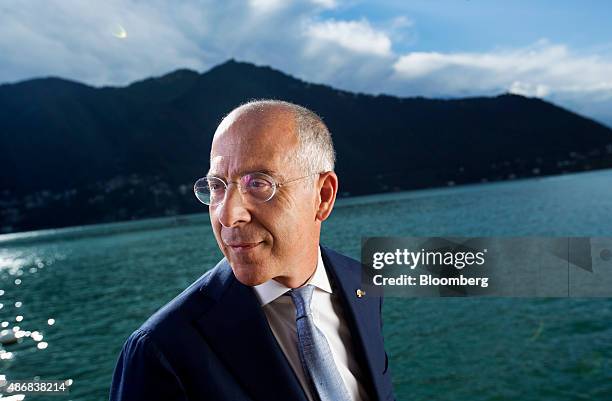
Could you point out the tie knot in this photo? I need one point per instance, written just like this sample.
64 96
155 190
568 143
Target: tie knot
301 298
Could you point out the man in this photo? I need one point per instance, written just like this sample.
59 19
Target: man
279 318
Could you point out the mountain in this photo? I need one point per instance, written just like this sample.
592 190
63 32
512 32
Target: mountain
75 154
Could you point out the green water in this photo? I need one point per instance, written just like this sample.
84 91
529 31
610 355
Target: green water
101 282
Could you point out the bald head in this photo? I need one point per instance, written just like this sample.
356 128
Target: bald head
314 151
258 114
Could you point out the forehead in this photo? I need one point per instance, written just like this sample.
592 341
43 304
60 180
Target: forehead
260 140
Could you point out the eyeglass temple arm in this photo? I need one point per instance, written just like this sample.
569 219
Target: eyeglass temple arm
280 184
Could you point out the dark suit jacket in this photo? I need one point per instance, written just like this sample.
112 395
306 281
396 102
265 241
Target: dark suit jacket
213 342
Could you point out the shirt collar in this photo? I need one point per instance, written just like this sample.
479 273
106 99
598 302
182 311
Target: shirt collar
272 289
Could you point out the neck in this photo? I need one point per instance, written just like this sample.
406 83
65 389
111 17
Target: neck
300 276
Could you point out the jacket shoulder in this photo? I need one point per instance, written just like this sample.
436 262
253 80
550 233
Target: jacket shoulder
190 303
336 257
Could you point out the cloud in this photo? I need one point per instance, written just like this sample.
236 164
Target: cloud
526 89
357 36
580 82
78 40
542 70
401 22
74 40
325 3
266 6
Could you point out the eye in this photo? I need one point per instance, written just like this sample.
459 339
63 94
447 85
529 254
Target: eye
215 185
258 184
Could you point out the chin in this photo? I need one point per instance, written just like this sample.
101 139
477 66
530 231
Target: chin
250 275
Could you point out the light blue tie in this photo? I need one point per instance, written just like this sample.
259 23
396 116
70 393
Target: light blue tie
315 353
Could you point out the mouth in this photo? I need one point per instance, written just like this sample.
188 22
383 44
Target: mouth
244 246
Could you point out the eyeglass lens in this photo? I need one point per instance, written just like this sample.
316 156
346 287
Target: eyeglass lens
257 187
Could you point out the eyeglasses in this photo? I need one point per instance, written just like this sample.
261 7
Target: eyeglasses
254 187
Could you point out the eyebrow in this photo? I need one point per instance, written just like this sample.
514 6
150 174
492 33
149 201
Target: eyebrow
267 171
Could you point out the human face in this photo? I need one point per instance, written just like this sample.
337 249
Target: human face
277 239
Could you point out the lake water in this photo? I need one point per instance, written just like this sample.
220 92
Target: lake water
99 283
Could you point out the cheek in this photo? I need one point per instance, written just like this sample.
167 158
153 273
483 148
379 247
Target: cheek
289 231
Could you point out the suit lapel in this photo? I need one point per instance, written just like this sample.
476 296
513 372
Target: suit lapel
237 330
363 314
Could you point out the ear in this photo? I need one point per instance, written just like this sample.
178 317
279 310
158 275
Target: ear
328 188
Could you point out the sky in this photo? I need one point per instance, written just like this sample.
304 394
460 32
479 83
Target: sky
559 50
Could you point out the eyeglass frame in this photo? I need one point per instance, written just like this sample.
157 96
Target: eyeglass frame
275 185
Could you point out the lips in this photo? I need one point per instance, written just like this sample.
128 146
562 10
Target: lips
243 246
239 241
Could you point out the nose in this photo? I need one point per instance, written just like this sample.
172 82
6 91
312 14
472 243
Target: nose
232 212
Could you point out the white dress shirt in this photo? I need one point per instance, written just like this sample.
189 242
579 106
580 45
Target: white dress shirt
328 317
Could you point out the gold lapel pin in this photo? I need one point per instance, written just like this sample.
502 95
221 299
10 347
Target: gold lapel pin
360 293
